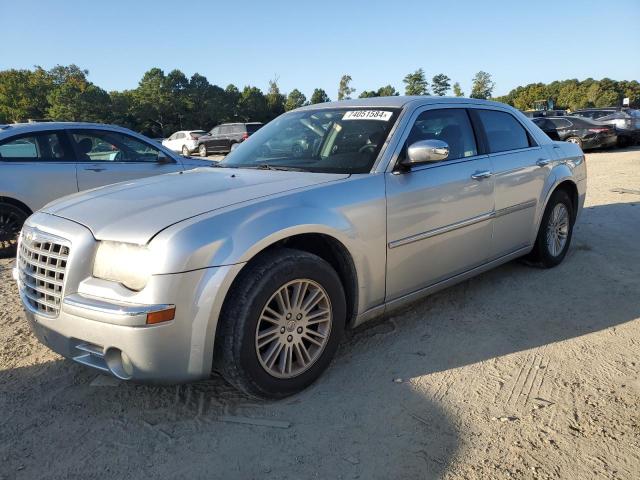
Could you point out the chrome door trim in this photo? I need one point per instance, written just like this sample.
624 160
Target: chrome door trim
441 230
464 223
515 208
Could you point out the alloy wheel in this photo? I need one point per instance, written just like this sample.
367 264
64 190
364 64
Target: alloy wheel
557 229
293 328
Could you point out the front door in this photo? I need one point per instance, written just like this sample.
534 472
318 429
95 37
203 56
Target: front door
106 157
438 214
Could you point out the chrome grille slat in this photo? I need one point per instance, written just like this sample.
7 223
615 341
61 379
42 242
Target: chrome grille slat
42 263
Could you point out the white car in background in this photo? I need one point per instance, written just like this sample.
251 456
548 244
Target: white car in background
184 141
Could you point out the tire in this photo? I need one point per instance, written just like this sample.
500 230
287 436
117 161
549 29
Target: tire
576 140
202 150
11 220
185 151
238 356
543 253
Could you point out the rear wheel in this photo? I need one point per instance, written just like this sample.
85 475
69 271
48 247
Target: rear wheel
556 229
576 140
185 151
202 149
281 325
11 220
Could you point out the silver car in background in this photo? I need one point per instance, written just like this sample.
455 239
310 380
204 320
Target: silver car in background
40 162
255 268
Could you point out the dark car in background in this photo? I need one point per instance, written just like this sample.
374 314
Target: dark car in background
581 131
222 138
625 120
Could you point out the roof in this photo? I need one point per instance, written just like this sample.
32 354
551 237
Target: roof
399 102
13 128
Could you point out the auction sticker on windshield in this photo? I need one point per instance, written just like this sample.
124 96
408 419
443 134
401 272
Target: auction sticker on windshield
367 115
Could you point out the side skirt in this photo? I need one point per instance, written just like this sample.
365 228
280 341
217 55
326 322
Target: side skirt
405 300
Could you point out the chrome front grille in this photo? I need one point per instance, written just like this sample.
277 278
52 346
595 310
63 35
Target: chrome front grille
42 264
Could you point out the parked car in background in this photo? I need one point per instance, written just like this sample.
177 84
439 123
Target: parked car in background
626 121
40 162
257 266
544 113
222 138
184 141
583 132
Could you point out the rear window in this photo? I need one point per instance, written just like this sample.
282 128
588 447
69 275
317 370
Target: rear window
36 148
253 127
197 133
503 131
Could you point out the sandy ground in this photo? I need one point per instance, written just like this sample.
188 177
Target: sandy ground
519 373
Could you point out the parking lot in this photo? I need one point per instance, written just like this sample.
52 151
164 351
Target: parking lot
518 373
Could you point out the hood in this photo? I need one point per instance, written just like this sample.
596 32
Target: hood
137 210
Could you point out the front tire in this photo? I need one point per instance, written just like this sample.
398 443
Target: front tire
555 232
281 324
11 220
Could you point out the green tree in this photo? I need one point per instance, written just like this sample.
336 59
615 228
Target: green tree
295 99
457 91
23 94
253 105
319 96
386 91
275 99
344 89
416 83
440 84
482 86
153 104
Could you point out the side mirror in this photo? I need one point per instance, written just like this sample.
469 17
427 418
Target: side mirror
163 159
425 151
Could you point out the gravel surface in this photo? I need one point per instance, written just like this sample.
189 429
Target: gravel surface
518 373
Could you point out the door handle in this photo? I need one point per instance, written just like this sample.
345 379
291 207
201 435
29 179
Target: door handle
481 175
95 169
543 162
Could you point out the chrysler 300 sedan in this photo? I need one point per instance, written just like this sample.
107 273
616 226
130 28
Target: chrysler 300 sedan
256 266
40 162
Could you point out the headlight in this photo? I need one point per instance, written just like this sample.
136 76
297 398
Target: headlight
125 263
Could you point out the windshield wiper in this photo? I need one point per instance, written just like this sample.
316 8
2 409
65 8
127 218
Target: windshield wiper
266 166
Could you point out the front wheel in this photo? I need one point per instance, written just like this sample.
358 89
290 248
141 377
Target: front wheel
281 325
11 220
556 229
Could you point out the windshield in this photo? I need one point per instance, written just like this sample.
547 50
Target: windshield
339 140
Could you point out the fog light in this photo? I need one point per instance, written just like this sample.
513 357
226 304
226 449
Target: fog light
119 363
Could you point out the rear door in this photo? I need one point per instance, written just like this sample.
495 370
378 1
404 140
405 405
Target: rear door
439 213
37 168
106 157
520 168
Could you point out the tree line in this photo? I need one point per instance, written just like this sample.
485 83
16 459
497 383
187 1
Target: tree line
163 103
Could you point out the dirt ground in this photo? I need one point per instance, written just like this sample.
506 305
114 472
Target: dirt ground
518 373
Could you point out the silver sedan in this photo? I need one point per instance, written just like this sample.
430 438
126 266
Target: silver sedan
255 268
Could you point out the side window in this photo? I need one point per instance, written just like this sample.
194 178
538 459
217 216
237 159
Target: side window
450 125
503 131
225 130
215 131
43 147
105 146
561 122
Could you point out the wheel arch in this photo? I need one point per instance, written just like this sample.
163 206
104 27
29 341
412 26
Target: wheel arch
16 203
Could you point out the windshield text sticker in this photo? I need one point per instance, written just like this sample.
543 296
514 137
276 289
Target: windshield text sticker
367 115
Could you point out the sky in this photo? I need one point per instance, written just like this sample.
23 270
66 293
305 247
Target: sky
309 45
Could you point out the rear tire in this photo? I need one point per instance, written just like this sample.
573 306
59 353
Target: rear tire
576 140
555 232
11 220
202 149
185 151
277 336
